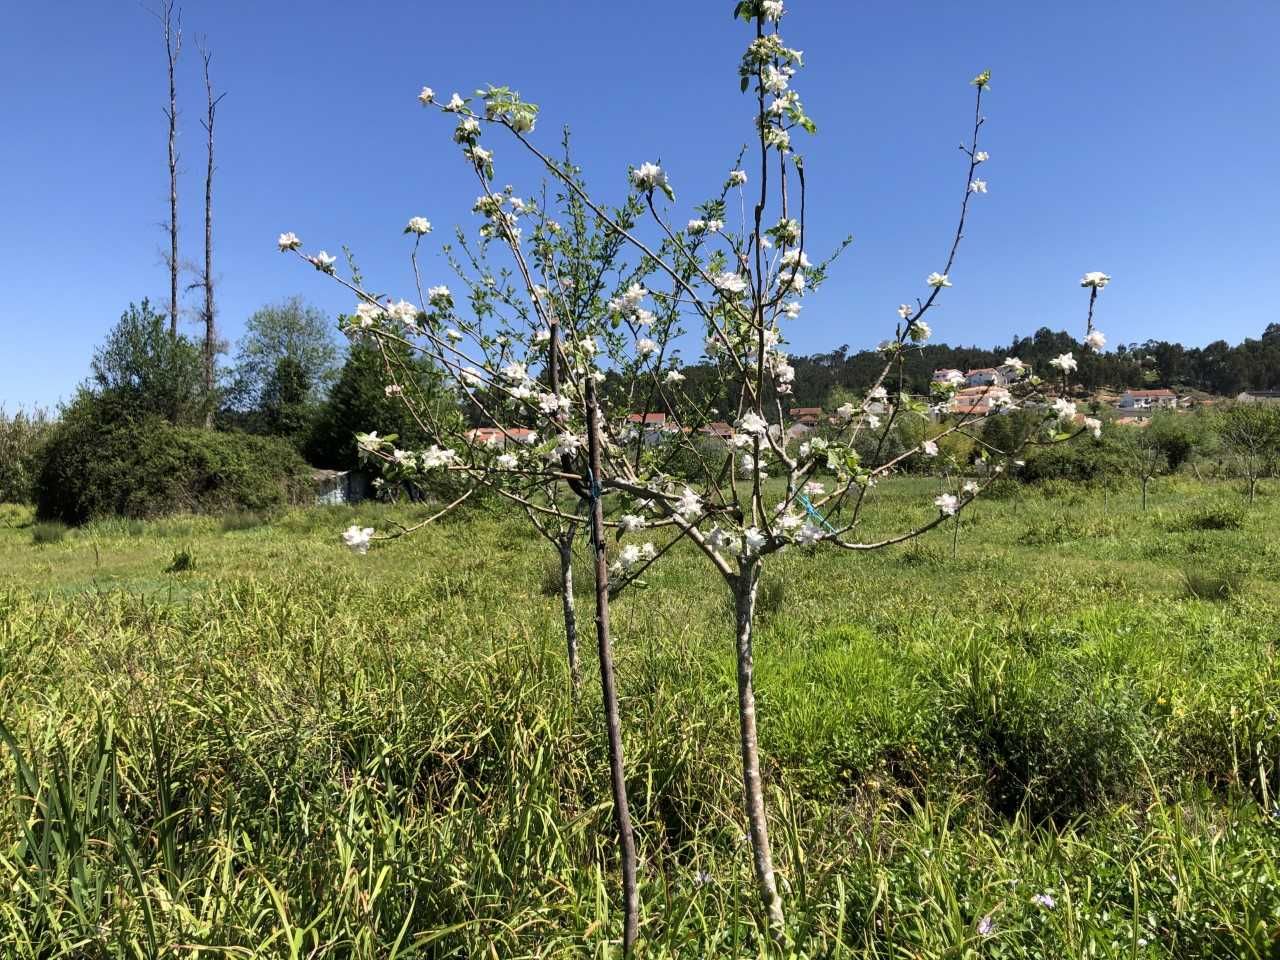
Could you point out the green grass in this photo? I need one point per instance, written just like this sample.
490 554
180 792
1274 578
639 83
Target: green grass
295 751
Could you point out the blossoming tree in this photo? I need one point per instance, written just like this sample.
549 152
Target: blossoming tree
571 356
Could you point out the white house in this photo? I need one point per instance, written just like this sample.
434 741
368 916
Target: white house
1147 400
1259 396
985 377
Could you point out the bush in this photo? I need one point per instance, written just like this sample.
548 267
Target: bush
15 515
98 464
1216 517
1081 461
46 533
1214 585
22 440
241 520
183 561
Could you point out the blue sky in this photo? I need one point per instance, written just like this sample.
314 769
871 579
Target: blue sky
1138 138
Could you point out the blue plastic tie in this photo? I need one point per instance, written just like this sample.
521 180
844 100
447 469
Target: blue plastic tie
809 509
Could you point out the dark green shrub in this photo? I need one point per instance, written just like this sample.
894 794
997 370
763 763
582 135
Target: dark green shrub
1212 584
99 462
241 520
49 532
183 561
1216 517
1048 739
22 440
1083 460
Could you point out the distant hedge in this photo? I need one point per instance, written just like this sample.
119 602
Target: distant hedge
97 466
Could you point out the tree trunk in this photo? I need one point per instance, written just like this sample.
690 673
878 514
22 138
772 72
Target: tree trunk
173 47
210 334
752 787
1253 488
1144 493
617 777
565 549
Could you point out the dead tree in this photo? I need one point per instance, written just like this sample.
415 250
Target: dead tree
171 18
210 334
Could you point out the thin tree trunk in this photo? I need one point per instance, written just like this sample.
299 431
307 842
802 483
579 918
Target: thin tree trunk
752 787
565 549
955 536
210 334
1144 494
173 47
617 775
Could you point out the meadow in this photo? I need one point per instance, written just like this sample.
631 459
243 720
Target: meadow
230 737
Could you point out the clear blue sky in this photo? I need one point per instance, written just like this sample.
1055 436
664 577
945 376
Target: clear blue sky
1138 138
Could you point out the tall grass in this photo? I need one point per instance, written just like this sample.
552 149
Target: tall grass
315 754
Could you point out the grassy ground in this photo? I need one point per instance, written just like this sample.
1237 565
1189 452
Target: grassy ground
281 749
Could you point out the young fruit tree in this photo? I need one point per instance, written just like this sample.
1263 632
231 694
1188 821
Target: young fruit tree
568 362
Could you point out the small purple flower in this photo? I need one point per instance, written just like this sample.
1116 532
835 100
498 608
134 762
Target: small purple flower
1044 900
986 926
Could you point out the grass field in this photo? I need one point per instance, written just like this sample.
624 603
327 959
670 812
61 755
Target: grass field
1061 743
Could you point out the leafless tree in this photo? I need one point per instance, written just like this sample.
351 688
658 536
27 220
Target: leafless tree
170 18
210 334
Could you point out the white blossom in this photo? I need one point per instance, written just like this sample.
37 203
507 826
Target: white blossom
1016 365
878 393
631 522
729 282
792 310
1095 340
435 456
440 296
567 444
689 505
357 538
737 177
1064 362
793 257
977 186
808 535
1096 279
720 539
919 331
970 487
1064 409
418 225
947 503
1094 426
845 411
645 346
649 176
288 241
674 376
981 156
427 96
393 390
753 541
323 262
929 448
905 311
753 423
551 404
508 461
515 371
771 9
455 103
936 279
